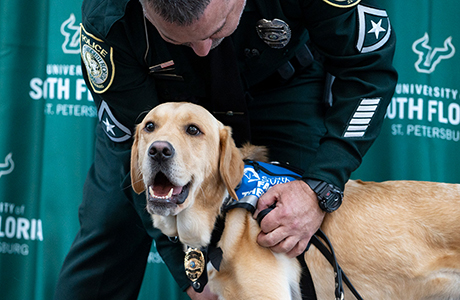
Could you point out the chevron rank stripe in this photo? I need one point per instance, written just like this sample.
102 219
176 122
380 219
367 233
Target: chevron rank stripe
116 131
362 117
374 29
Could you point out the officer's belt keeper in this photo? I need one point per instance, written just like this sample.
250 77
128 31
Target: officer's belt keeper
303 58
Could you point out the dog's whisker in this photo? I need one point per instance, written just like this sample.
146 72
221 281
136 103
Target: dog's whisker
133 183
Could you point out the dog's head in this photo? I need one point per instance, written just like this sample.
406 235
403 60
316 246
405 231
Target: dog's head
184 159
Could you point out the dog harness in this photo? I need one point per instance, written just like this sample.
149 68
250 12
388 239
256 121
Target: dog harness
258 177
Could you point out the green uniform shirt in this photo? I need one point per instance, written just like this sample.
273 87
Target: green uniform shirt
356 45
130 69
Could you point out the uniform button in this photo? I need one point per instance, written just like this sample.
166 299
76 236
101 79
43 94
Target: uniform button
251 52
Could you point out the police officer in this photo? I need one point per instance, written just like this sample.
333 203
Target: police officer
309 79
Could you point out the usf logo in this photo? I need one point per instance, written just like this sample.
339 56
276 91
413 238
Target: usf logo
428 57
8 166
71 33
251 175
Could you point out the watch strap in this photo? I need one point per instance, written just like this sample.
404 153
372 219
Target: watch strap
315 185
329 196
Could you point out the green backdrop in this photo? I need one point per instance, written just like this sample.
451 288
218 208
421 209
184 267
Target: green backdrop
47 119
420 139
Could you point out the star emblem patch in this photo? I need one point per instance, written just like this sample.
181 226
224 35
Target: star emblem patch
116 131
374 28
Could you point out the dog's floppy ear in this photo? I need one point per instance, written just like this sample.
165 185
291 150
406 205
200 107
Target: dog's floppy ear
137 181
231 165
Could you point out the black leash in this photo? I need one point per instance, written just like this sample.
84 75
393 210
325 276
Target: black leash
329 254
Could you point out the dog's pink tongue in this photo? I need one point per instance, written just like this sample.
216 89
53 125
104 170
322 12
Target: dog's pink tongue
165 190
177 190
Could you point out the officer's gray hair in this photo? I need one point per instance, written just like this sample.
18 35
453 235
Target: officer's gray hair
180 12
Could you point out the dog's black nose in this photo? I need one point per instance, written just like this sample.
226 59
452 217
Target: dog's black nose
161 150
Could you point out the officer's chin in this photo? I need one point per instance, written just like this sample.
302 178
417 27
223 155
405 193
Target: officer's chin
216 43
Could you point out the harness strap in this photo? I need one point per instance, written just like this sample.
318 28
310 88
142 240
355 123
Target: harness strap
306 282
214 252
211 253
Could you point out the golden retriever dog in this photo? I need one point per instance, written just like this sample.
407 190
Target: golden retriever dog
394 240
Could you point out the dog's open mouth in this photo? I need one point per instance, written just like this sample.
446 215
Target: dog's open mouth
163 193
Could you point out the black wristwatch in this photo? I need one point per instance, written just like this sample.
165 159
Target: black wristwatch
329 196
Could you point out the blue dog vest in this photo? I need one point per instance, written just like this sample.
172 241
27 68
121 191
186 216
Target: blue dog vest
258 177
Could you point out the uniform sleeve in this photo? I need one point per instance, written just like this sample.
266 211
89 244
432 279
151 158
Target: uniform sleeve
122 89
120 78
357 44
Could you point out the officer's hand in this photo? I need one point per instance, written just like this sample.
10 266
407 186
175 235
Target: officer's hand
296 217
205 295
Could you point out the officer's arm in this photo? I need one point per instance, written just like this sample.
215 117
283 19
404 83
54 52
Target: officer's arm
357 44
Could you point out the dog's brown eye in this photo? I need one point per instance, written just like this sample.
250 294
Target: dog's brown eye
149 127
193 130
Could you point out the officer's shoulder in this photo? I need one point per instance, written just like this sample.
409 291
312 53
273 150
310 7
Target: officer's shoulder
102 14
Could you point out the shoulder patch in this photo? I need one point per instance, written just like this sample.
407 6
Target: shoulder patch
342 3
116 131
374 28
98 59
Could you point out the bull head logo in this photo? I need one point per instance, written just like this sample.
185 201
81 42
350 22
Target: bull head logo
429 58
71 32
7 167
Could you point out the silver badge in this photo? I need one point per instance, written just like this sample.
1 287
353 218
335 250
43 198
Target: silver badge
275 33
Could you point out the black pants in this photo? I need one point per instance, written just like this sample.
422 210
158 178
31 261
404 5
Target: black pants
108 257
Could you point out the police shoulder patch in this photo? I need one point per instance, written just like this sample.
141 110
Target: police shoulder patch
374 28
342 3
98 59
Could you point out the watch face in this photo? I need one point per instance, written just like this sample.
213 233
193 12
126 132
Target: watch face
331 199
329 196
